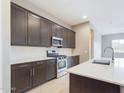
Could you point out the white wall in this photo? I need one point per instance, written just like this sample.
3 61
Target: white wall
4 46
0 46
97 44
82 41
21 54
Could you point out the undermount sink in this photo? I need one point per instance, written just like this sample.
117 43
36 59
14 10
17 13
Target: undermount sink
101 61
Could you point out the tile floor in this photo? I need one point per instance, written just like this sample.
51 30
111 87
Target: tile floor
60 85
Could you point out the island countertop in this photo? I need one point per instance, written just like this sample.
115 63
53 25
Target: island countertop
113 73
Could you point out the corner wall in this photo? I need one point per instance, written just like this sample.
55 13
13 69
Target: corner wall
97 44
82 41
4 46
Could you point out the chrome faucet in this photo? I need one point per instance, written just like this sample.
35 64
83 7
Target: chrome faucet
112 52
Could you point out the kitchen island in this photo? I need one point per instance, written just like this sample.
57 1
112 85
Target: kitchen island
96 78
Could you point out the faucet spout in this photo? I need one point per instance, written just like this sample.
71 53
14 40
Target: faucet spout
112 52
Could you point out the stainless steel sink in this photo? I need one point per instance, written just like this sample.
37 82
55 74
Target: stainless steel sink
102 61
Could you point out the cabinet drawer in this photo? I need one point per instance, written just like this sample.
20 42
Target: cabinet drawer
20 66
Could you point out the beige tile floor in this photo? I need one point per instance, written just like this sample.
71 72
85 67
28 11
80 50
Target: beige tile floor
60 85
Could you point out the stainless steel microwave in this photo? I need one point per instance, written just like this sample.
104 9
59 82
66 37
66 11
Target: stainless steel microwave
57 42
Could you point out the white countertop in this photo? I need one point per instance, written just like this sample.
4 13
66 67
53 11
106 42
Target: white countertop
113 73
29 60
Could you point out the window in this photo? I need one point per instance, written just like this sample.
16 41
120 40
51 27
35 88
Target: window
118 45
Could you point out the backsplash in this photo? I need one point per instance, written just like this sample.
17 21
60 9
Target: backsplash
20 54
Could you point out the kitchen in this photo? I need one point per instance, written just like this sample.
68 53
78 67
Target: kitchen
42 47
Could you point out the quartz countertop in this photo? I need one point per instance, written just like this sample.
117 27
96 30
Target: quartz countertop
113 73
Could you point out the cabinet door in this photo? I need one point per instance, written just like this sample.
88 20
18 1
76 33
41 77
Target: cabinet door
72 39
69 62
21 79
18 25
34 28
51 69
39 73
65 37
56 30
75 60
72 61
46 37
69 39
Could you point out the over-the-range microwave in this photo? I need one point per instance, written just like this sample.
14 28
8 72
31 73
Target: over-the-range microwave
57 42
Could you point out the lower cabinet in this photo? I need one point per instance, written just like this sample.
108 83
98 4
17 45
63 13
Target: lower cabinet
25 76
72 61
21 78
39 73
51 69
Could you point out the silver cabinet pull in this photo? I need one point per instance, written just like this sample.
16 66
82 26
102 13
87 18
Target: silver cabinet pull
33 72
38 63
13 89
21 66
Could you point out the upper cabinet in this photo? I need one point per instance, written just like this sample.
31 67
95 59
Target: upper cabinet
65 38
46 28
30 29
34 28
18 25
56 30
69 38
72 39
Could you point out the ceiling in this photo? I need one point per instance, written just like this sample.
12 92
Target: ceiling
106 15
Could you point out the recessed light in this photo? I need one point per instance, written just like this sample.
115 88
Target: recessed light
84 17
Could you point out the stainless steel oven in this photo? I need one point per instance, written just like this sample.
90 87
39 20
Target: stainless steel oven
61 65
61 62
57 42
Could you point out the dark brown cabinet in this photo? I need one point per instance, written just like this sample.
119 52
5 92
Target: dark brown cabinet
39 73
80 84
56 30
65 37
25 76
51 69
46 32
30 29
70 39
72 61
34 28
21 78
18 25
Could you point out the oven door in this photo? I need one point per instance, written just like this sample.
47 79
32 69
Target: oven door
61 66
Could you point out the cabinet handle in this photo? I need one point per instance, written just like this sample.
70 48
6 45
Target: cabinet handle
13 89
38 63
33 72
23 66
